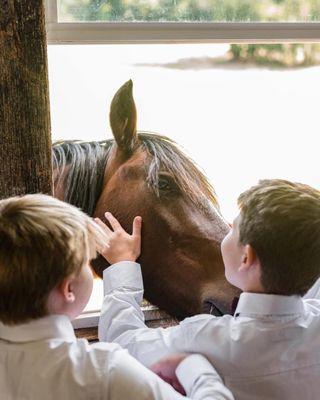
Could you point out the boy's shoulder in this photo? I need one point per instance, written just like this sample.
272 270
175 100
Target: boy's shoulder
96 360
103 355
203 324
116 369
99 351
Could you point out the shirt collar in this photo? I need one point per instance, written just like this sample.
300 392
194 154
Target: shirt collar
258 304
51 327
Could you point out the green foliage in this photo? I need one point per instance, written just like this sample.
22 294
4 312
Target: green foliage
276 55
190 10
158 10
211 10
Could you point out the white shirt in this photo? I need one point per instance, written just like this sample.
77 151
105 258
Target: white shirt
314 292
270 349
43 360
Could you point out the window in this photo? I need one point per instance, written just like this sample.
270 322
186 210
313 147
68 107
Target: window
187 11
226 21
242 112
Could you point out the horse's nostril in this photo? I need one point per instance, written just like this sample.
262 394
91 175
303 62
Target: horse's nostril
208 307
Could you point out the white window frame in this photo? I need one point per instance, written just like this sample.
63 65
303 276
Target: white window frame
176 32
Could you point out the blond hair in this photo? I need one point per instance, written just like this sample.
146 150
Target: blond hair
42 241
281 221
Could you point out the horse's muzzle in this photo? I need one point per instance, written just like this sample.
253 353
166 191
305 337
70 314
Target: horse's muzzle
209 307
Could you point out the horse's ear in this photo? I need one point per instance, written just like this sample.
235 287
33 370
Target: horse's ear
123 119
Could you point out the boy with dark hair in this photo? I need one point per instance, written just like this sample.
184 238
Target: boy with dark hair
45 282
281 222
270 348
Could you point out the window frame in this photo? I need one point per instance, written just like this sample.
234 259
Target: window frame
175 32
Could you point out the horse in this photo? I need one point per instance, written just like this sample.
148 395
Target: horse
146 174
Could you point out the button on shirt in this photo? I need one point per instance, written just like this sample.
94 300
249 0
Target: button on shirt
270 349
43 360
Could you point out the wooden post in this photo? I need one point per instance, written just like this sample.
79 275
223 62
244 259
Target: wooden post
25 139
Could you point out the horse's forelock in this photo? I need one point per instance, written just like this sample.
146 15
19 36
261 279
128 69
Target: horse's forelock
166 156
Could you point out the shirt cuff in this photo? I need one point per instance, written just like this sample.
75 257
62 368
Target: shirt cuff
191 369
122 274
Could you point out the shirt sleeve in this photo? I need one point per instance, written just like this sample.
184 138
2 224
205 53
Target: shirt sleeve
122 320
197 376
128 379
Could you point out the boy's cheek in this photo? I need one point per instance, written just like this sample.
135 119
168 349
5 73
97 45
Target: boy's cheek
224 251
231 278
222 246
230 270
91 281
227 275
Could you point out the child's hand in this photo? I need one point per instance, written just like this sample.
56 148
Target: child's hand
166 369
121 246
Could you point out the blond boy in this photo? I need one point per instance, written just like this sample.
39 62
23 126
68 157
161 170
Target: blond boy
45 282
270 348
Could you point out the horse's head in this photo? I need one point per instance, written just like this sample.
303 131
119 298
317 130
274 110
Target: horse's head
148 175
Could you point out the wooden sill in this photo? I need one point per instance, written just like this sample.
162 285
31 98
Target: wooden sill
154 318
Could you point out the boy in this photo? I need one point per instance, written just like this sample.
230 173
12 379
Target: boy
270 348
46 281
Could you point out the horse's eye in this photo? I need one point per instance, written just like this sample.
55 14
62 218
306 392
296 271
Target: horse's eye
165 184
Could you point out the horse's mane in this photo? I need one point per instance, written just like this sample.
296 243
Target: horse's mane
84 164
79 168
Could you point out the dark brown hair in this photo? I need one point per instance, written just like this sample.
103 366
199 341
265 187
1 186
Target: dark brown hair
281 221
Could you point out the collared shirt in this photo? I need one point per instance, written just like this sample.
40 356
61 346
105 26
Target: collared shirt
43 360
270 349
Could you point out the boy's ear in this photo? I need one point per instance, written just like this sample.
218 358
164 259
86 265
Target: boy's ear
249 257
66 289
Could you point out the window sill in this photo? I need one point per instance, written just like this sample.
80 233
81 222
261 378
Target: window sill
86 325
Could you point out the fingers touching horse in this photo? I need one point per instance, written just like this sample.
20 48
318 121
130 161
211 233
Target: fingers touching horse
148 175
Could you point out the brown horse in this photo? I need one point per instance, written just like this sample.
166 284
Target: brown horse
147 174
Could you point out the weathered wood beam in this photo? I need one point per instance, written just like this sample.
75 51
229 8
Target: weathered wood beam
25 138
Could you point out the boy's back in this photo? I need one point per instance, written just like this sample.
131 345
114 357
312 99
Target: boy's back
268 350
44 360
